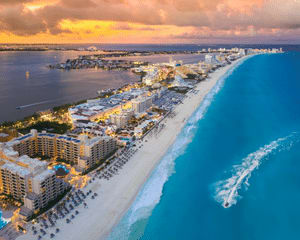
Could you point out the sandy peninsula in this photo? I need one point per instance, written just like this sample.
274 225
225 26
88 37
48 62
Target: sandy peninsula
116 195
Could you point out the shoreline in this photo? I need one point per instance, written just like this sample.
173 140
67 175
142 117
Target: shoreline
117 195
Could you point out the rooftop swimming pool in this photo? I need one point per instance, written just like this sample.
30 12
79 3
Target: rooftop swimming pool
125 139
58 166
3 222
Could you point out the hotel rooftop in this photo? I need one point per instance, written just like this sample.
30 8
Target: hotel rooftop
95 107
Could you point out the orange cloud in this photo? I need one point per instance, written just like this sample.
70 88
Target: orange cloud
136 20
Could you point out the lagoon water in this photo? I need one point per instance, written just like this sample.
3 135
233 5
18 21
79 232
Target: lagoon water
45 88
241 149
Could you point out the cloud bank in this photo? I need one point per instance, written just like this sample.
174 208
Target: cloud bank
206 18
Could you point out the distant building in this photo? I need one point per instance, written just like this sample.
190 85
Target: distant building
152 76
92 48
141 104
242 52
204 67
179 82
208 58
121 120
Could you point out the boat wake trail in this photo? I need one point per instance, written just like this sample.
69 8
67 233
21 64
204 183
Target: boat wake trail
226 191
35 104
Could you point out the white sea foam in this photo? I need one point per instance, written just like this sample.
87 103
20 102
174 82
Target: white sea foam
151 193
226 191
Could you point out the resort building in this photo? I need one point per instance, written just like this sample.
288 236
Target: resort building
141 104
95 150
142 128
68 149
211 59
28 180
25 145
102 108
63 147
121 120
46 145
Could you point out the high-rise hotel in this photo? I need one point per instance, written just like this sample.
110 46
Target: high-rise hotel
28 179
77 152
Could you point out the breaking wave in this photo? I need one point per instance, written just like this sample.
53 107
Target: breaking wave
151 193
227 191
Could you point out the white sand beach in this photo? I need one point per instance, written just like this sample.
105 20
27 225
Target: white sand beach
116 195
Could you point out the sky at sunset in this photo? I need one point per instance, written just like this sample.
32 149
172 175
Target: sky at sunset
150 21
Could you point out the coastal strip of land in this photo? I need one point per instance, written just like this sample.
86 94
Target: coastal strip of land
115 196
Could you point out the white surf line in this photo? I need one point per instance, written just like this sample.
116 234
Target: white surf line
227 190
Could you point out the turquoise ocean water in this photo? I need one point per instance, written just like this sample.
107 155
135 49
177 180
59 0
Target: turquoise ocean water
241 148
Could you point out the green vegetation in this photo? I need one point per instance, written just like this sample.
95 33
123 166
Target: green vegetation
58 114
158 110
106 95
6 124
20 228
62 108
65 107
11 124
149 126
42 157
192 76
8 200
9 134
51 127
49 206
179 90
34 117
143 74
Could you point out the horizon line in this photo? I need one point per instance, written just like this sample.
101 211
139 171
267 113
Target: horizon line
210 44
